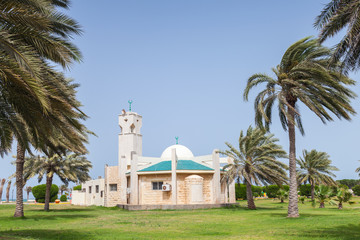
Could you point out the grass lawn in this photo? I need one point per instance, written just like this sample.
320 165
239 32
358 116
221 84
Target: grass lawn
268 222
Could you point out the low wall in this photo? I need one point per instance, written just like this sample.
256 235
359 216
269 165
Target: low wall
174 207
78 198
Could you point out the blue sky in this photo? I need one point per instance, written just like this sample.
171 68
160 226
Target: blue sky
185 65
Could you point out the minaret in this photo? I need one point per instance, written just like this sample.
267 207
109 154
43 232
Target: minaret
130 139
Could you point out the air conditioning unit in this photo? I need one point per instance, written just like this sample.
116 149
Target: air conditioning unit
128 190
166 187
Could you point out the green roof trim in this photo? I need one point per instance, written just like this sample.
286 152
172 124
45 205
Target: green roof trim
181 165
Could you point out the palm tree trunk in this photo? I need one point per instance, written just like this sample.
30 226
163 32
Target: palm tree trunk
249 196
322 204
20 159
47 194
293 210
282 200
27 198
312 191
1 188
340 205
8 191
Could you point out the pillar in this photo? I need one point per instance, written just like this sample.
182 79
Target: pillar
216 178
173 177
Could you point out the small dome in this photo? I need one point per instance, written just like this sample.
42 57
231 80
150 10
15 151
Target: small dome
182 152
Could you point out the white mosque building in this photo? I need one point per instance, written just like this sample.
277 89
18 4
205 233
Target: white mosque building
175 180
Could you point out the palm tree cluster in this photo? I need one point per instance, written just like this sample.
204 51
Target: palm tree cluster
315 167
38 106
69 168
256 161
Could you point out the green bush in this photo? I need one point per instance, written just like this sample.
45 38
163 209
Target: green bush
78 187
63 198
305 190
356 190
240 191
40 190
285 187
256 190
271 190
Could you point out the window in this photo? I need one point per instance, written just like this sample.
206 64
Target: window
113 187
89 189
101 193
97 188
157 185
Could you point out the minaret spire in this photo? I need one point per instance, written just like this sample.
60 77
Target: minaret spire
130 102
177 140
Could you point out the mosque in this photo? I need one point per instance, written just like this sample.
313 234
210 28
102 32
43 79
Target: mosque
175 180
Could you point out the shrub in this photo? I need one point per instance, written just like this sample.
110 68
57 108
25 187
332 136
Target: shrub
240 191
63 198
256 190
272 190
78 187
305 190
285 187
40 190
356 190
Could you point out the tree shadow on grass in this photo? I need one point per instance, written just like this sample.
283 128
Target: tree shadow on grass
62 210
343 232
45 217
45 234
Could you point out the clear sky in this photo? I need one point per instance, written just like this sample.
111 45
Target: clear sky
185 65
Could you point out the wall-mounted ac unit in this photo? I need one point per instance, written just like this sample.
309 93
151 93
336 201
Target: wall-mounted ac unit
128 190
166 187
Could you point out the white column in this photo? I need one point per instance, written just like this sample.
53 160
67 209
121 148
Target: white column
134 198
173 177
216 178
122 177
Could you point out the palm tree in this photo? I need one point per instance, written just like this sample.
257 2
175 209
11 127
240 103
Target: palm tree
322 193
337 15
28 191
282 194
358 170
342 196
8 191
304 74
63 188
255 161
69 168
316 168
1 188
34 33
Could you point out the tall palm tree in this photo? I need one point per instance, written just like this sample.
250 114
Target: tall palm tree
69 168
28 191
337 15
315 167
255 161
1 188
304 74
34 33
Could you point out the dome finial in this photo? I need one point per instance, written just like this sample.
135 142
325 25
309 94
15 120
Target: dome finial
130 102
177 140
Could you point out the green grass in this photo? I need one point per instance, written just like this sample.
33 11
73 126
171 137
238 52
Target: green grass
268 222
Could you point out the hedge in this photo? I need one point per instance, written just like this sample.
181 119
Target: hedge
40 190
78 187
305 190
